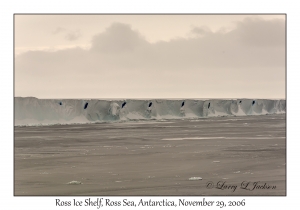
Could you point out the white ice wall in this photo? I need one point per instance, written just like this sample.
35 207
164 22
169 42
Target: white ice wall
33 111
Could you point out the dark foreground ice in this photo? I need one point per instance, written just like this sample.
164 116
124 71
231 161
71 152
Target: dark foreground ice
210 156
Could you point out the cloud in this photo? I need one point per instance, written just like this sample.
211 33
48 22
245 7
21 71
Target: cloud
259 32
59 30
248 61
70 35
201 30
73 35
118 38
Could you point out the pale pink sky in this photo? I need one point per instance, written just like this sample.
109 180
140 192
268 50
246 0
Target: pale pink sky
150 56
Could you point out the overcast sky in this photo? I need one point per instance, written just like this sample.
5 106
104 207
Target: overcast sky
150 56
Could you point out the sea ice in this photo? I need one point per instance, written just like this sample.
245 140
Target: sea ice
74 183
195 178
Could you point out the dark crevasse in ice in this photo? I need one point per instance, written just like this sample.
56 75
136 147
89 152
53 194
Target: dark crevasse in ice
150 104
253 102
182 104
86 105
60 103
240 102
208 105
123 104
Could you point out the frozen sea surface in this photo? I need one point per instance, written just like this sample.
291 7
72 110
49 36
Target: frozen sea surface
153 157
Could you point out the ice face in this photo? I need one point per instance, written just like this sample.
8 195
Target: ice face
31 110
